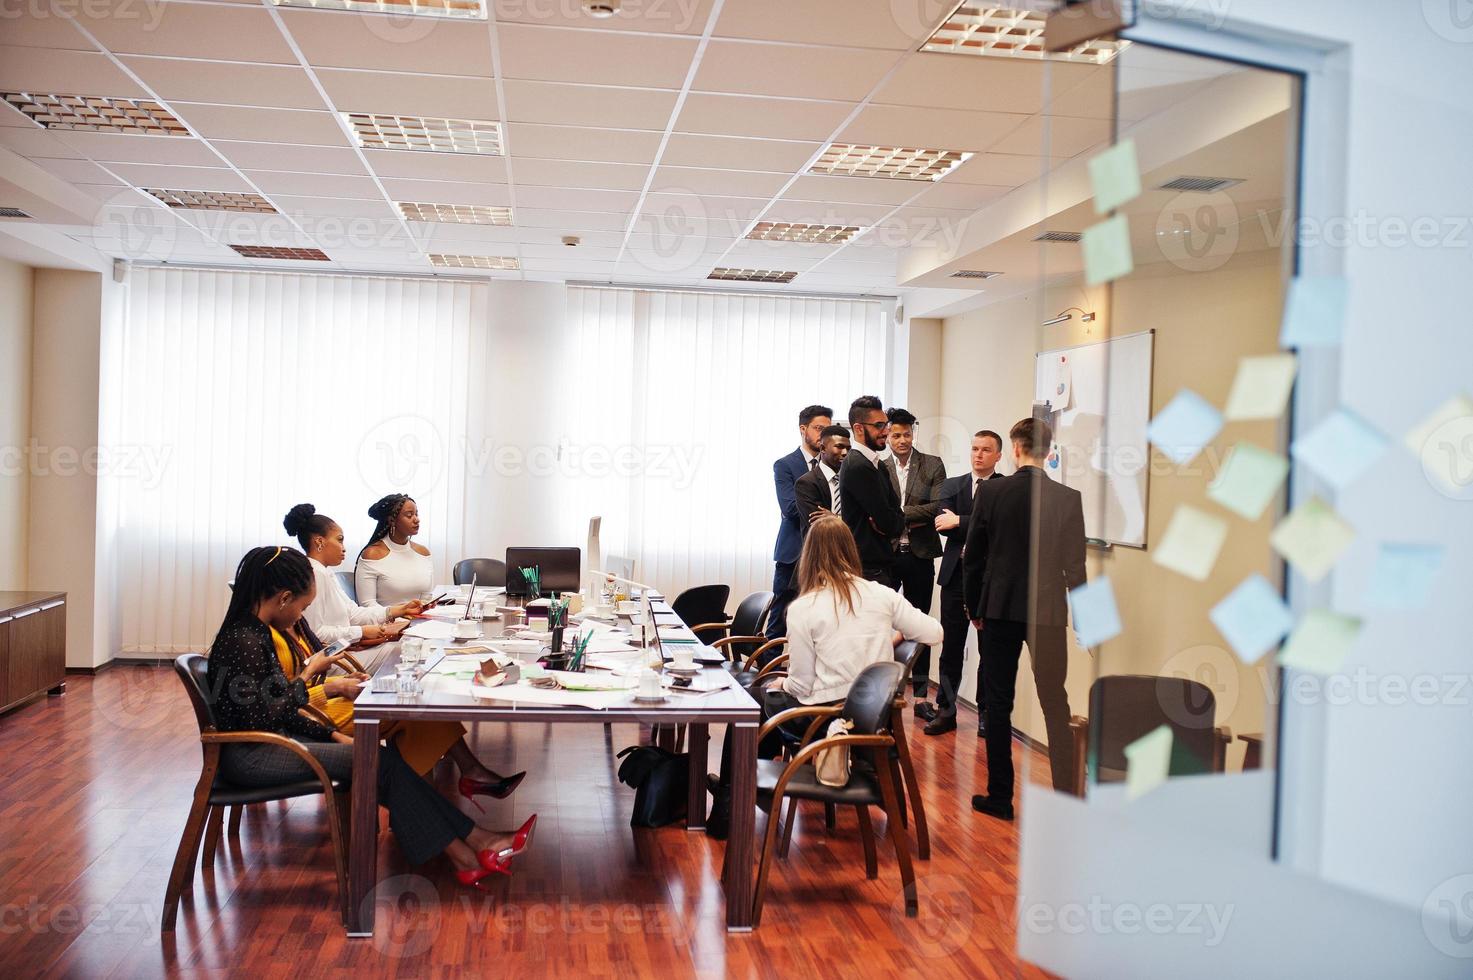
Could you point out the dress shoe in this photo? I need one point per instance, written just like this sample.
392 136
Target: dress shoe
1001 809
925 710
981 729
941 724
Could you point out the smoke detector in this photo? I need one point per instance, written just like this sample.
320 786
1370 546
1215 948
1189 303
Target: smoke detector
572 241
601 8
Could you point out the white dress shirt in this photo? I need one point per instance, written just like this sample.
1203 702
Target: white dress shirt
332 615
832 476
855 446
828 646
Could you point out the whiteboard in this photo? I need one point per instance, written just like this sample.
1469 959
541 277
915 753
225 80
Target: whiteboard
1099 398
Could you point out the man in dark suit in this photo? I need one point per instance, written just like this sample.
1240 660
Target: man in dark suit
916 478
818 489
1022 522
868 502
956 510
785 472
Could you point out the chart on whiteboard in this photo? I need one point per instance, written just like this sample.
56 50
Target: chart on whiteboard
1098 400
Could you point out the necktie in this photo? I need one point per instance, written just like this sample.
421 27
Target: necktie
834 493
812 464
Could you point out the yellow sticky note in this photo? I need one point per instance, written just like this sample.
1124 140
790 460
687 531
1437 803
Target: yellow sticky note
1115 176
1147 762
1192 542
1261 387
1107 254
1443 443
1312 538
1319 644
1249 479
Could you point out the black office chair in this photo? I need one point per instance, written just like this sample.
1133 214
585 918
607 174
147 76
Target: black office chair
905 655
349 586
212 794
744 632
486 571
703 607
1123 707
868 708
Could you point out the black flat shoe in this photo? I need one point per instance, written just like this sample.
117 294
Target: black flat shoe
1000 809
940 725
925 710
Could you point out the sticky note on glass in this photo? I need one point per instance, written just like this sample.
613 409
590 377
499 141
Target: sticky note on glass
1249 479
1340 449
1115 176
1314 312
1444 445
1192 542
1252 618
1107 254
1312 538
1184 426
1403 575
1096 618
1147 762
1261 387
1320 642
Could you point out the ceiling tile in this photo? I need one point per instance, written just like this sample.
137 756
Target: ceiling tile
826 213
748 68
447 192
287 156
937 129
596 176
76 171
582 253
229 32
731 183
575 199
283 86
445 236
112 194
570 221
263 125
315 185
896 25
776 156
970 197
578 143
654 16
181 178
419 165
554 55
33 141
736 115
934 80
124 148
335 207
434 45
436 96
1001 169
43 31
1059 136
583 105
666 213
854 190
68 72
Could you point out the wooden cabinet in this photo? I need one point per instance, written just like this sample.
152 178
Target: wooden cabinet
32 645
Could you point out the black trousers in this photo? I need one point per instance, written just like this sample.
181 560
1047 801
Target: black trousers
884 574
773 701
424 822
954 626
1001 641
915 578
783 575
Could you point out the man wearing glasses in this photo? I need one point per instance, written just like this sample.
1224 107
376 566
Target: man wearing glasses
868 501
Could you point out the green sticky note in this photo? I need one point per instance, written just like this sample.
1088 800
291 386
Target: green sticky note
1312 538
1320 642
1249 479
1147 762
1115 176
1261 387
1107 254
1192 542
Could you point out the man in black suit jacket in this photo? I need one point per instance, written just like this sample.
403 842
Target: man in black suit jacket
956 510
916 478
1025 521
816 490
867 500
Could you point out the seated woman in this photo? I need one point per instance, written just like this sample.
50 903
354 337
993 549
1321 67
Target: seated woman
332 615
272 588
422 743
391 568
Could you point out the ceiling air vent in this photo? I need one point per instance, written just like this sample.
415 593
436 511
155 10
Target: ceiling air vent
973 274
1059 236
752 275
12 213
1201 185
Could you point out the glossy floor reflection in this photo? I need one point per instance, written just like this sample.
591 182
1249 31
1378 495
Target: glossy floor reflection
95 788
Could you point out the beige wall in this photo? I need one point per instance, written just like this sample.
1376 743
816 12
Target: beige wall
1204 323
15 419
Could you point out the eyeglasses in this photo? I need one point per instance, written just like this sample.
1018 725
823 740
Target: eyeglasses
882 426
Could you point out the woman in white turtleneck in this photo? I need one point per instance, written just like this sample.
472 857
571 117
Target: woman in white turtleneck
332 615
393 568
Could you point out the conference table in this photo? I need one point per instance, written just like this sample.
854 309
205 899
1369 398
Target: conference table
730 706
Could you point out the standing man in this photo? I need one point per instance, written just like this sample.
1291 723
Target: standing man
916 478
818 489
956 509
1020 523
867 500
785 472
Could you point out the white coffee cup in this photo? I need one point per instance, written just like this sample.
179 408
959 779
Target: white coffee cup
649 685
629 607
467 629
683 659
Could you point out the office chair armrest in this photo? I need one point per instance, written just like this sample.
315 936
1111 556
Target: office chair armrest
727 641
832 742
271 738
313 713
1079 735
707 627
353 662
820 710
1222 737
777 662
757 653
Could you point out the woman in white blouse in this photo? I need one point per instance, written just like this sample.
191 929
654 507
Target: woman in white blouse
392 568
332 615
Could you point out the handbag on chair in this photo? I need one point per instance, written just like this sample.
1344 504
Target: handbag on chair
831 766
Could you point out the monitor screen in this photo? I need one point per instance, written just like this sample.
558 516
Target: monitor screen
559 567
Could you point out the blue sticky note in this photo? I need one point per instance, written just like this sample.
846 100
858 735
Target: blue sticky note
1314 312
1096 618
1340 449
1252 618
1184 426
1403 575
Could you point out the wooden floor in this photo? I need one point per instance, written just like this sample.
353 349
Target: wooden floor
95 787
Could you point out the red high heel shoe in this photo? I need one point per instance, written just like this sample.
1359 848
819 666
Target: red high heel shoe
498 789
471 877
501 860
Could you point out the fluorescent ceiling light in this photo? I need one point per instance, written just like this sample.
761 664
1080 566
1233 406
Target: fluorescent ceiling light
505 263
751 275
895 162
212 200
464 214
281 252
784 231
96 114
469 9
381 132
1003 32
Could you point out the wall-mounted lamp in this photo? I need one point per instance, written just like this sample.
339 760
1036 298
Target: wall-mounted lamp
1067 315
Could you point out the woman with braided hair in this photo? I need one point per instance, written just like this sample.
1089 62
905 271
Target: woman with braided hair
391 568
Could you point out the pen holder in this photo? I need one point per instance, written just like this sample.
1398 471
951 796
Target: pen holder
557 639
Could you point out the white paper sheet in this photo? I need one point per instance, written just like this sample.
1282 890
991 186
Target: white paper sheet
431 629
